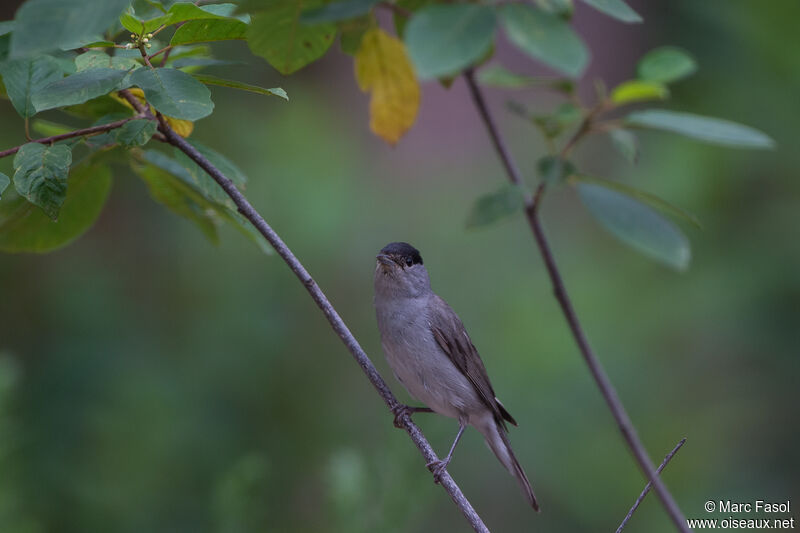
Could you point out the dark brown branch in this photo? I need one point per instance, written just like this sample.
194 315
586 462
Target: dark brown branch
595 367
649 485
85 132
324 304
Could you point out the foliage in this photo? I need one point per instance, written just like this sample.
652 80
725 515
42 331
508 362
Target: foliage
435 40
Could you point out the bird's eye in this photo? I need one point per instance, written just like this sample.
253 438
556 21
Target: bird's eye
409 261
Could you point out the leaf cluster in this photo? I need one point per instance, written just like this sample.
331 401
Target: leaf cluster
124 70
100 65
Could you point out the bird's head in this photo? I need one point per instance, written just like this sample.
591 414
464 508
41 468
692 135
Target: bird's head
399 270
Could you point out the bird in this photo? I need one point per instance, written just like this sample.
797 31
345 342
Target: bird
431 354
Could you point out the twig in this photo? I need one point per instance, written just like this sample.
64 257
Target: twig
586 127
166 55
595 367
649 485
155 54
85 132
323 303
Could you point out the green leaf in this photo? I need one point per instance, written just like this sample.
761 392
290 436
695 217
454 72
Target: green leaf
135 133
132 24
4 181
496 75
495 206
49 129
205 191
335 11
665 65
553 169
94 109
205 183
174 93
637 225
182 11
545 37
401 21
41 175
644 197
351 33
567 113
6 27
25 228
25 77
444 39
43 25
626 143
200 62
179 12
187 171
97 59
615 8
213 80
199 31
223 164
157 5
180 198
100 44
79 88
277 35
632 91
562 8
707 129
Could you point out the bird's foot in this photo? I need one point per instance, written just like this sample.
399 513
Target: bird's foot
401 410
438 468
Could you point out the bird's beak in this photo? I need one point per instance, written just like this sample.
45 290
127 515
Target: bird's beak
385 260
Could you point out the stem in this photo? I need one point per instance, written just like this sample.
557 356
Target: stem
325 306
595 367
649 485
85 132
155 54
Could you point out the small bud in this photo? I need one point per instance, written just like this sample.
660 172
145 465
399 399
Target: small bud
145 39
149 45
150 35
129 45
133 36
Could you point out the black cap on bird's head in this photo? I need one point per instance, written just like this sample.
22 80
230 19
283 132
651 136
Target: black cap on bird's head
401 253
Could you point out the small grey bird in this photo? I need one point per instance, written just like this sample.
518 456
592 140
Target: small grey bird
433 357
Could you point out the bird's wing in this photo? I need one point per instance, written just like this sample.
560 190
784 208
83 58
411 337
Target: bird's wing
452 337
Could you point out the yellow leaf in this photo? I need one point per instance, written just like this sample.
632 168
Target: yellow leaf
383 68
638 91
182 127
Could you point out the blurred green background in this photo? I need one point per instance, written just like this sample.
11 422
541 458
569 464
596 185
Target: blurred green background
152 382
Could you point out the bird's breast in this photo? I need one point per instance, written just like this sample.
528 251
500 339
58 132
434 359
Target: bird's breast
418 361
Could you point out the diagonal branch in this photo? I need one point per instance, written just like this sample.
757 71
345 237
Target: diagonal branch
85 132
649 485
595 367
325 305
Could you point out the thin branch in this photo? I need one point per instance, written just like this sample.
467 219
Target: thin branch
324 304
85 132
156 54
649 485
595 367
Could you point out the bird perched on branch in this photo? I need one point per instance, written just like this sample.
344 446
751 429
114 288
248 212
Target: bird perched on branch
433 357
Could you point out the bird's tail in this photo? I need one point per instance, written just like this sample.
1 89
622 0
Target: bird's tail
497 440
